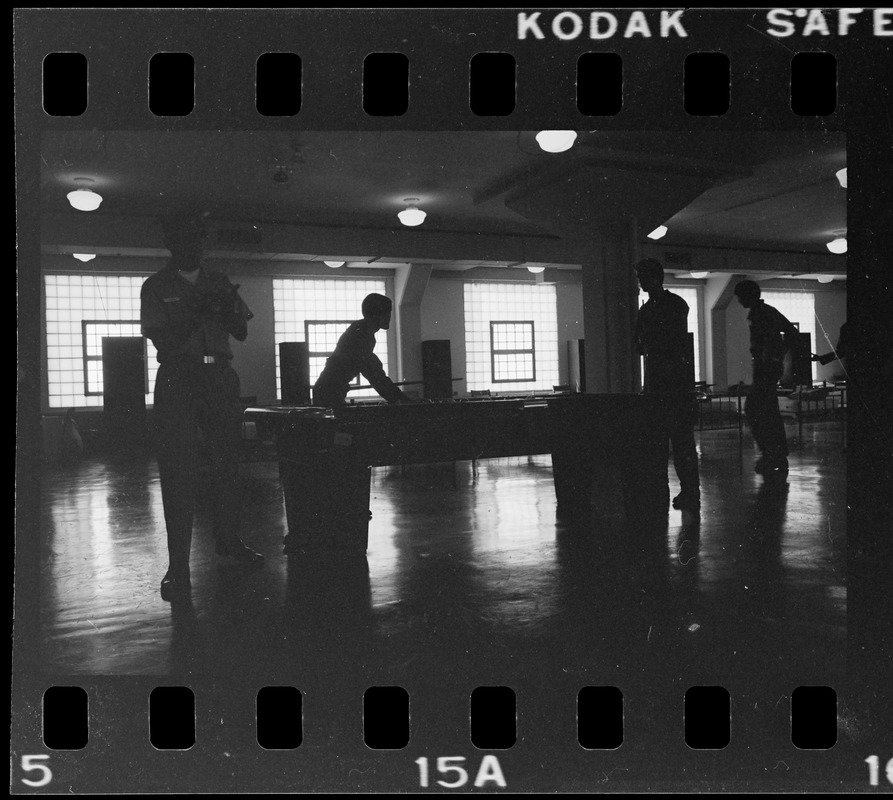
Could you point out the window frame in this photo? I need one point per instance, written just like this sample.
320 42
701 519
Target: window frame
531 352
87 359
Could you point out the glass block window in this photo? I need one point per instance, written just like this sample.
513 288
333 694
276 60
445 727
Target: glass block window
690 295
322 300
73 371
93 332
512 351
511 337
799 308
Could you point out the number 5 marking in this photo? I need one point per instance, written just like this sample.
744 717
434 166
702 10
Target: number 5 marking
446 764
29 764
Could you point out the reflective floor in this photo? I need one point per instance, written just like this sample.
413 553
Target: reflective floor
470 579
469 576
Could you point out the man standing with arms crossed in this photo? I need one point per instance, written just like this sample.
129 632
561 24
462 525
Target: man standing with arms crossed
662 338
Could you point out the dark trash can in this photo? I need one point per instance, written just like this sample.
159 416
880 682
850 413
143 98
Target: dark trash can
325 480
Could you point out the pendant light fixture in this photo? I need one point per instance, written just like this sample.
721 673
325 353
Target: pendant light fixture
838 244
556 141
411 215
84 198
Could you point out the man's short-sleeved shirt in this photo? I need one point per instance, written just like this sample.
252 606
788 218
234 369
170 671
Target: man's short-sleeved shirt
354 356
662 337
768 328
171 315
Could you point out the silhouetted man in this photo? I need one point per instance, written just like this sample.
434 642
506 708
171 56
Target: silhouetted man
354 356
769 342
662 338
189 314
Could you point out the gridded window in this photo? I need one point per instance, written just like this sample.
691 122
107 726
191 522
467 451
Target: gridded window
93 332
71 300
512 351
511 337
799 308
299 300
690 295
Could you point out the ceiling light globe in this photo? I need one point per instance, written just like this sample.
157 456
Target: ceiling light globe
837 246
659 232
84 256
824 278
700 274
556 141
84 199
841 177
412 216
334 264
535 270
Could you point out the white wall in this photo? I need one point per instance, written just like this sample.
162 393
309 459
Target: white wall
737 355
443 317
570 323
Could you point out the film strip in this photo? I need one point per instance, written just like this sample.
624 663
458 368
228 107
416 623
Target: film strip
324 681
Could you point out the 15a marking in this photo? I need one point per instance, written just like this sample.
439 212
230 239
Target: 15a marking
873 764
488 772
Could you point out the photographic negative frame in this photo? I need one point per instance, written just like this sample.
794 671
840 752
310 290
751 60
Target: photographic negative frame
837 100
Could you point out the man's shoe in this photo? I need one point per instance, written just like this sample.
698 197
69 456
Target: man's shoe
767 464
175 587
687 502
777 468
237 550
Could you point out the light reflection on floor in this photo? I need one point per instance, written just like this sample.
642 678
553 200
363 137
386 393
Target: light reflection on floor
468 568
